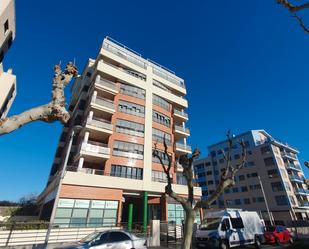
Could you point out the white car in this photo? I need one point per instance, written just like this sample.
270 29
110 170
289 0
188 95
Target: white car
110 239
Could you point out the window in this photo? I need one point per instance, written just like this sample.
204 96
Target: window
209 173
221 160
244 189
6 26
131 108
269 161
156 100
210 182
237 202
118 237
130 128
235 190
227 191
273 173
281 200
181 179
254 174
158 176
241 178
158 136
258 199
237 156
130 150
126 172
237 223
132 91
247 201
255 186
161 118
229 202
265 150
277 186
163 156
249 164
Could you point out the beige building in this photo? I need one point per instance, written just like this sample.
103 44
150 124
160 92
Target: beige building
274 163
7 35
125 104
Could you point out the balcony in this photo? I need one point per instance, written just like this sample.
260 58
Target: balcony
180 115
182 149
289 155
294 167
301 191
106 85
86 170
103 104
94 151
100 128
303 203
181 132
128 154
295 178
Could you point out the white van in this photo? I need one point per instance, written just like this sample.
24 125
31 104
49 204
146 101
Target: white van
229 228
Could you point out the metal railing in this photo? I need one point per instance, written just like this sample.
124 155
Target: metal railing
302 191
181 113
182 129
107 83
284 153
100 123
183 146
293 167
103 102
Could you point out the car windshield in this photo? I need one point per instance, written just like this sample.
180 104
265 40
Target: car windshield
270 228
90 237
210 224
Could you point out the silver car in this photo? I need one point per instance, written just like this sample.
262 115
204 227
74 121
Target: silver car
111 239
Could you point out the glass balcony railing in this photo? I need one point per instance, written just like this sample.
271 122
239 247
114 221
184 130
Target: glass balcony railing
303 203
293 167
95 147
296 178
182 129
103 102
183 147
180 113
302 191
100 123
288 154
107 83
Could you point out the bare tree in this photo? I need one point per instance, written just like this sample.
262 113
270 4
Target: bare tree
53 111
226 181
293 9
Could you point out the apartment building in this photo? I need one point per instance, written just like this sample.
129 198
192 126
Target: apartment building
271 165
7 35
124 104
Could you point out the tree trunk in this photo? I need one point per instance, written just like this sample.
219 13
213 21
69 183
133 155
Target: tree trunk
187 236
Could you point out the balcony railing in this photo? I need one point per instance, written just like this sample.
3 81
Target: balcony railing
86 170
180 113
303 203
291 155
100 123
128 71
182 129
296 178
183 147
302 191
95 147
103 102
107 83
127 154
293 167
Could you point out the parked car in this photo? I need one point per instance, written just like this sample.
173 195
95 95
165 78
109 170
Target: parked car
229 228
110 239
277 235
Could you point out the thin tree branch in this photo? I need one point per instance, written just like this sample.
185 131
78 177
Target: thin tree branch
53 111
295 8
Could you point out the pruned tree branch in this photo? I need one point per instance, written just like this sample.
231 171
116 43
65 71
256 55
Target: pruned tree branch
53 111
227 176
295 8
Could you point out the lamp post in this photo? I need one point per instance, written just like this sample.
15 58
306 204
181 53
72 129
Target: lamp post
53 214
266 204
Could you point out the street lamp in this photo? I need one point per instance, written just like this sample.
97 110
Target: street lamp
76 128
266 204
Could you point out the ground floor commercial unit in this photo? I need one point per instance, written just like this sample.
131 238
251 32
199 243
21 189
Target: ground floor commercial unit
95 204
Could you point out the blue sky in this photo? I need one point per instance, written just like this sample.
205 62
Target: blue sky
245 64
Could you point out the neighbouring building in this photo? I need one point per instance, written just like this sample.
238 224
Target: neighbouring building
273 162
7 35
125 104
